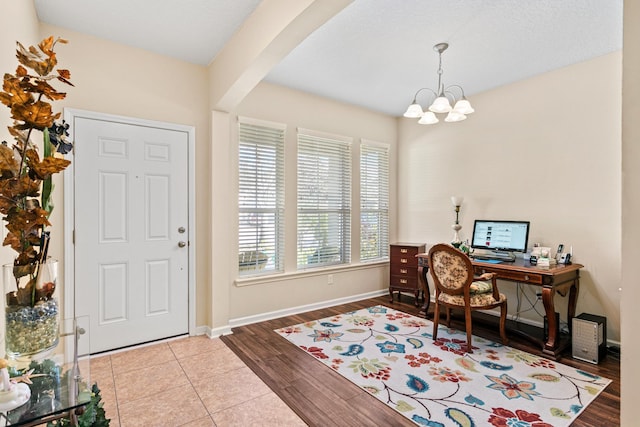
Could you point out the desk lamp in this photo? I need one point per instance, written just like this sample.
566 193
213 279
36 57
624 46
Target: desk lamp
457 202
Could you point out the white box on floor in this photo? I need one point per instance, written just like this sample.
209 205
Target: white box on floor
589 338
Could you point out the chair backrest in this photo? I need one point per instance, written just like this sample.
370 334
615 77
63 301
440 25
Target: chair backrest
451 270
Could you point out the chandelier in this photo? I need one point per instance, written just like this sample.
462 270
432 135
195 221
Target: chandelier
444 97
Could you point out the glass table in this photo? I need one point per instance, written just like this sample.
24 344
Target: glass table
61 385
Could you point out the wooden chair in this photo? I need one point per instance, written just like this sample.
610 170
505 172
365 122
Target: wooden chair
456 287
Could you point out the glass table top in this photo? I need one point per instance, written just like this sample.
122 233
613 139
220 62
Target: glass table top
60 380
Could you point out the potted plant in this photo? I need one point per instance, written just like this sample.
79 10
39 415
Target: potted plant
26 187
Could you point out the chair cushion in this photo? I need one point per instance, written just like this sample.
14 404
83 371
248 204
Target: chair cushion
480 287
476 300
450 269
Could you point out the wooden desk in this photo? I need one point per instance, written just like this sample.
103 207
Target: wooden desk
423 270
563 279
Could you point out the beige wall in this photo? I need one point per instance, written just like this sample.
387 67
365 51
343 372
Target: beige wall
20 23
630 213
547 150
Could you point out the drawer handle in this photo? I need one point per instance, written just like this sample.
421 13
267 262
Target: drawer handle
403 281
403 260
526 277
403 270
403 251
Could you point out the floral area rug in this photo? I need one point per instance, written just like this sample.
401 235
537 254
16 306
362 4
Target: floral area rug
391 355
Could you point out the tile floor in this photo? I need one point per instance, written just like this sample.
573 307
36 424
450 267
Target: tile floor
193 381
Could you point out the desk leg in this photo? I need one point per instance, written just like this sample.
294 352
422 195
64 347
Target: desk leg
549 308
573 298
551 346
422 278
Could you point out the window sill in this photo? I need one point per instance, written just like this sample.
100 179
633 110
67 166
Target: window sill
320 271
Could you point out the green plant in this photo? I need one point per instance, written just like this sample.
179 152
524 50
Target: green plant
93 415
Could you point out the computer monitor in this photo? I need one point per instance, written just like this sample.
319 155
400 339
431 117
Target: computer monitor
507 236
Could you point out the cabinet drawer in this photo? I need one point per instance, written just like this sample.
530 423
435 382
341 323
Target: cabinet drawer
515 276
404 251
404 282
402 270
405 260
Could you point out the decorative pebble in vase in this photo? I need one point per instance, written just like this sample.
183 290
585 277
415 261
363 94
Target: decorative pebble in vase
31 311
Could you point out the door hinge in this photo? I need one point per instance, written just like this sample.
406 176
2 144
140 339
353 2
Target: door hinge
73 237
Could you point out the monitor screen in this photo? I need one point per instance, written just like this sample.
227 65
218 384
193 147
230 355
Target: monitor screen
500 235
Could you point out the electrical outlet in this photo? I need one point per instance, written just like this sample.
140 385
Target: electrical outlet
330 279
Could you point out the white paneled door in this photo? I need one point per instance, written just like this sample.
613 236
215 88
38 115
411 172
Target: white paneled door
131 239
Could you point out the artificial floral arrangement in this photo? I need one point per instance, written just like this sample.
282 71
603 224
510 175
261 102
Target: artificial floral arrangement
25 202
25 192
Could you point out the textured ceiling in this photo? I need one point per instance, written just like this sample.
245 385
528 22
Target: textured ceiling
375 53
191 30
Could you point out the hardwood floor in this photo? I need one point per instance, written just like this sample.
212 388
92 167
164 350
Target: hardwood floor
321 397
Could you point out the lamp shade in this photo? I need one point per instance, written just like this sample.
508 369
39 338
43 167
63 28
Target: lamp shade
428 118
463 107
414 111
457 200
440 105
455 116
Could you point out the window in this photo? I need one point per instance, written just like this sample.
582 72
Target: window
324 199
374 201
260 197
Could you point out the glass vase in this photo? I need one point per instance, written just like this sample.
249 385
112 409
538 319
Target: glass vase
32 316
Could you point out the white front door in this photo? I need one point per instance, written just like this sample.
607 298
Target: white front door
131 231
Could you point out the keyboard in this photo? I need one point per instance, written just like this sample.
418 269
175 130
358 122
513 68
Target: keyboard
495 256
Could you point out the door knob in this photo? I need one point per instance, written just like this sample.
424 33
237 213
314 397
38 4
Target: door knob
182 244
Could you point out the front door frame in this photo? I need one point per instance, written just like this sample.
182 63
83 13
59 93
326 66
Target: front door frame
70 115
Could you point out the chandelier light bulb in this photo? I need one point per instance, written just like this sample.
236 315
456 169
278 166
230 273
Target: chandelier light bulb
463 107
428 118
440 105
455 116
414 111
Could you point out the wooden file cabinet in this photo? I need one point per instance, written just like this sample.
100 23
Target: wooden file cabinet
403 271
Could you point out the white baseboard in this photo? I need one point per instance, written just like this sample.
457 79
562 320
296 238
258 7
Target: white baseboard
241 321
217 332
211 333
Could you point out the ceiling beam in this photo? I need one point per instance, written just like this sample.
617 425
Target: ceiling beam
273 30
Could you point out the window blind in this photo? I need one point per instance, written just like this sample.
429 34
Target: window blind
324 200
260 197
374 201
